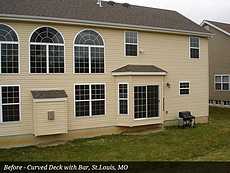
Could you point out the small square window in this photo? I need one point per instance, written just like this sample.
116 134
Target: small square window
184 88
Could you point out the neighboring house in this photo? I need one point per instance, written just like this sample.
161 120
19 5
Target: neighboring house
219 63
74 69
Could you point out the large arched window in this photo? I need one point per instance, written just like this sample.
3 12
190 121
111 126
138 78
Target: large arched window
89 52
9 48
47 51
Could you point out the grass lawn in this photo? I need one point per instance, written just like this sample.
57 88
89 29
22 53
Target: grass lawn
205 142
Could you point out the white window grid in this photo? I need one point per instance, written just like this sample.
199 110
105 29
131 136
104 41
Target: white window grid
184 88
90 100
131 41
2 104
218 102
123 98
145 111
194 47
226 103
90 58
47 49
222 81
48 57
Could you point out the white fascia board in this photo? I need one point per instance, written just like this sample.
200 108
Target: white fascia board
101 24
50 100
214 26
139 73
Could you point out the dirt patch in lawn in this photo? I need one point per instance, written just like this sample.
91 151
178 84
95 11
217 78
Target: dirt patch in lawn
145 131
53 143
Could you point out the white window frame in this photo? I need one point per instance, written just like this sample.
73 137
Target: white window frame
90 100
130 44
218 102
226 103
211 102
89 46
10 42
221 82
123 98
184 88
159 103
1 104
193 48
47 51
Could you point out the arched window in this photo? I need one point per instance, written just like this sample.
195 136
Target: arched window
89 52
9 48
47 51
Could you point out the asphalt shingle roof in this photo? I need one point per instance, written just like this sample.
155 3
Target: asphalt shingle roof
47 94
88 10
139 68
224 26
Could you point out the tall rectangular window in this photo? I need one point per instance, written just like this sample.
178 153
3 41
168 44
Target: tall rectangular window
194 48
123 99
89 53
9 50
131 43
222 82
146 101
47 51
184 88
89 100
10 103
81 59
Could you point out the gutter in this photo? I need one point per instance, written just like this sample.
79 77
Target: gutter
101 24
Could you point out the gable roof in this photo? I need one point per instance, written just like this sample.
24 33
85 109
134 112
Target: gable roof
223 27
139 70
87 12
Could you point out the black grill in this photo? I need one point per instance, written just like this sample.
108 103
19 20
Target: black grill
188 119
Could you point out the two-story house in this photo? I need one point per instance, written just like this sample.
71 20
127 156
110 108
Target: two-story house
219 63
79 68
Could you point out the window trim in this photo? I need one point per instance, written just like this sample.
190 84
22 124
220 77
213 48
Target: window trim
1 104
222 82
193 48
159 102
137 44
89 46
226 105
123 99
10 42
184 88
47 52
211 102
90 100
218 103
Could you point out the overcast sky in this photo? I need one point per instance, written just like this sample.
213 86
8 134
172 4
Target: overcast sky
196 10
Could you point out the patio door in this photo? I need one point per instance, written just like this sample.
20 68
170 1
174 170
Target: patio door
146 101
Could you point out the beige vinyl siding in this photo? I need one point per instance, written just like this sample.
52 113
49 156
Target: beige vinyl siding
219 62
50 127
166 51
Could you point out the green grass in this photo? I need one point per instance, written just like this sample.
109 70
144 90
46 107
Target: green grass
205 142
